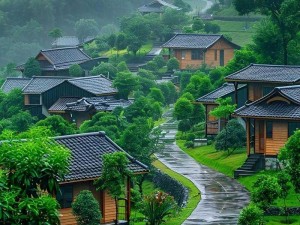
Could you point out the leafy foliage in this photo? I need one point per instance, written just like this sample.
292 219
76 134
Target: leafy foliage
57 125
183 108
29 170
32 68
157 206
173 64
75 70
125 82
106 69
85 28
251 215
265 191
86 209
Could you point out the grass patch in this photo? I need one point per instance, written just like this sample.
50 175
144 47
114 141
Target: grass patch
248 182
142 51
159 122
217 160
279 220
194 196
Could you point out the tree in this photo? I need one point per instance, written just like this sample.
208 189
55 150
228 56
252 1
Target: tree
30 171
199 85
184 125
32 68
19 122
174 18
173 64
122 67
55 33
11 103
86 209
197 24
265 191
146 74
125 82
283 13
290 155
134 44
75 70
146 85
114 172
157 206
160 61
223 111
283 180
183 108
211 28
57 125
121 41
157 95
251 215
106 69
85 28
233 136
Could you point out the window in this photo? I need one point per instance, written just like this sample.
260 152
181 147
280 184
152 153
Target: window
183 54
65 196
197 54
34 99
269 129
267 90
216 55
292 127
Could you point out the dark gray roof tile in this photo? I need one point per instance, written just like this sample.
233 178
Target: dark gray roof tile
194 41
87 151
38 85
61 103
13 83
267 73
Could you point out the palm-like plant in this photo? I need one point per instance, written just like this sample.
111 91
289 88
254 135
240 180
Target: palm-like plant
157 206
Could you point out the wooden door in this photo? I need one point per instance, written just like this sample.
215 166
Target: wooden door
221 57
261 137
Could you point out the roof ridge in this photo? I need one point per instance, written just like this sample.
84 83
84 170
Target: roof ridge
276 65
88 77
51 77
99 133
62 48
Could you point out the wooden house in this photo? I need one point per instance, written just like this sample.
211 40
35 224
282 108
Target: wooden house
213 125
261 79
40 93
57 61
194 50
270 121
79 110
156 6
85 167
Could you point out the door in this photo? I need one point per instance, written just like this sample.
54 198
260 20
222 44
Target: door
261 137
221 57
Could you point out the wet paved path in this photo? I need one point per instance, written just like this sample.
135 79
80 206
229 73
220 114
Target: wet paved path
222 197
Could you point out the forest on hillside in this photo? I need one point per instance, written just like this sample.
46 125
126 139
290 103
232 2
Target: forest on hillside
25 25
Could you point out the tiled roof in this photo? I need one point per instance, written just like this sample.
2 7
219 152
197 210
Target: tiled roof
63 58
267 73
69 41
277 109
87 151
94 84
195 41
97 85
156 7
40 84
97 103
220 92
14 82
61 103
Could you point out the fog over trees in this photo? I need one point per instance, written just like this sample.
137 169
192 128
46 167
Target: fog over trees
29 26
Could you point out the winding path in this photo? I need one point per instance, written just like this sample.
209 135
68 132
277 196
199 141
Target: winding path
222 197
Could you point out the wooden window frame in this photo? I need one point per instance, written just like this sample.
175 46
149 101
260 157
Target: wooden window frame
269 129
197 54
63 200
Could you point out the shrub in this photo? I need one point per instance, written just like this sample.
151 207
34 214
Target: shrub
190 137
157 206
189 144
172 64
75 70
251 215
233 138
159 60
86 209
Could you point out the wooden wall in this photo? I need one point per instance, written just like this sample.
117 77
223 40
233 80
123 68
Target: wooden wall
209 56
212 124
107 204
279 137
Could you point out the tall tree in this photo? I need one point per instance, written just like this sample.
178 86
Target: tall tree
283 13
32 68
85 28
125 82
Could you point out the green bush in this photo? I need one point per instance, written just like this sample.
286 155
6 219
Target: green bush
190 137
251 215
157 206
232 138
86 209
173 64
189 144
75 70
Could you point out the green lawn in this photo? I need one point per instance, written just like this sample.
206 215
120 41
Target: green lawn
218 160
